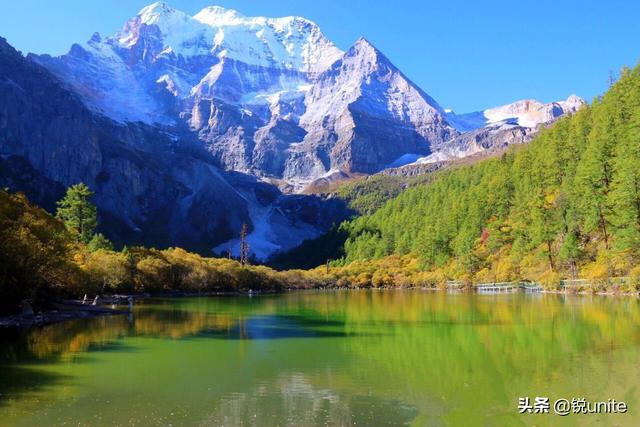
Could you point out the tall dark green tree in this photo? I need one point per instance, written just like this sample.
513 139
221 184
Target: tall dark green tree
595 172
78 213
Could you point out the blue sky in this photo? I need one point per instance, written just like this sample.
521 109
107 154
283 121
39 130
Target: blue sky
468 54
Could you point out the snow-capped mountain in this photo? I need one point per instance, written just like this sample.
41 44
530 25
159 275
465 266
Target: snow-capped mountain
273 97
268 96
361 114
162 49
493 129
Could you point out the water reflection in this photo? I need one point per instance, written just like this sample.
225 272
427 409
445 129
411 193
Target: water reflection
294 400
327 358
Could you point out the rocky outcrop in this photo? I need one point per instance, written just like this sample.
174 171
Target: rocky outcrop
484 140
141 178
494 129
414 169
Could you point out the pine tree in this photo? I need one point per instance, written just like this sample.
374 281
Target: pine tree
595 173
77 212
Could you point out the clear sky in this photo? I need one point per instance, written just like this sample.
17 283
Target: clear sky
467 54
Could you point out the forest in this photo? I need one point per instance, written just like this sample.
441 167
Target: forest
567 205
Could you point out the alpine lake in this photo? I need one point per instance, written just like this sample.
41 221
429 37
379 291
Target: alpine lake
318 358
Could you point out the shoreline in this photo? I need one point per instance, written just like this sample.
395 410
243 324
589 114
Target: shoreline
75 310
50 317
475 291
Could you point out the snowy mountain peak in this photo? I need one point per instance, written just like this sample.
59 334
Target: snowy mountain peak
291 42
219 16
175 27
365 62
573 101
364 48
363 59
154 12
363 43
270 96
164 49
531 113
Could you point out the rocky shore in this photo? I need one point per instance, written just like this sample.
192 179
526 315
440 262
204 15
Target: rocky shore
60 311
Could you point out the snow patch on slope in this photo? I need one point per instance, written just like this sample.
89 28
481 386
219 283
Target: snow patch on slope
271 96
404 160
272 232
179 32
261 240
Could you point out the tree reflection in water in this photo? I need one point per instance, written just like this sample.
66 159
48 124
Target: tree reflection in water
311 358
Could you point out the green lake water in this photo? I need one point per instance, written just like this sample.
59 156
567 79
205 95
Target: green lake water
327 358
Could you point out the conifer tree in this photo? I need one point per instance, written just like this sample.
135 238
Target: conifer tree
595 174
78 213
625 193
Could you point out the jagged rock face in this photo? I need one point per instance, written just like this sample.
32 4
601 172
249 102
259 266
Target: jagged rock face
17 173
489 131
43 124
271 97
150 187
132 168
164 51
235 82
363 113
